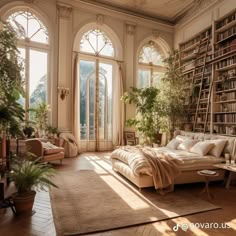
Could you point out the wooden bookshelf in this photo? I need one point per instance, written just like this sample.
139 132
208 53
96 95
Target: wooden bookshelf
195 57
224 105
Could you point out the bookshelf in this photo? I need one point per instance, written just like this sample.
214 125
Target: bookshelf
195 58
224 95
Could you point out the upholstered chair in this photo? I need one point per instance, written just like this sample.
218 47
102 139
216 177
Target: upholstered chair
47 151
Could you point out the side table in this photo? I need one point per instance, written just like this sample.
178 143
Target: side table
231 169
207 180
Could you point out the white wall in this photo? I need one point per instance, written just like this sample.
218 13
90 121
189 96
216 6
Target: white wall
65 19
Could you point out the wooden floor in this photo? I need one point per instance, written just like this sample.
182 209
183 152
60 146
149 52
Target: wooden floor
41 223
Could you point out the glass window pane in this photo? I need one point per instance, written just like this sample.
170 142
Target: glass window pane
96 42
86 70
22 55
38 62
144 78
150 54
28 26
92 101
105 71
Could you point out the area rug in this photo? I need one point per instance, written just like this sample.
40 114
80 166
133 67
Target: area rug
88 201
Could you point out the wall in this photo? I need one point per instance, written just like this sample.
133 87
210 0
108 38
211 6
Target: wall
65 18
205 16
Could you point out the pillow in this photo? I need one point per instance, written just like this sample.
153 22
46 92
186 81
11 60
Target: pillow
218 147
187 144
173 144
202 148
181 138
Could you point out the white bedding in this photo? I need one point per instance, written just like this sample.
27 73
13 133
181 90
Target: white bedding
187 160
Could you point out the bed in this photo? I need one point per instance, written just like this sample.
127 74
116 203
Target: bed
189 163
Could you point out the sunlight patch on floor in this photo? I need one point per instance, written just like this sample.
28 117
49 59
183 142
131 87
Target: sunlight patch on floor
185 224
135 202
232 224
164 228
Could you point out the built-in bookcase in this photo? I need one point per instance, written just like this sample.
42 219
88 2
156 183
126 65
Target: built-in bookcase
195 57
224 109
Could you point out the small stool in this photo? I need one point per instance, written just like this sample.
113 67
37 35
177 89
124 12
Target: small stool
207 180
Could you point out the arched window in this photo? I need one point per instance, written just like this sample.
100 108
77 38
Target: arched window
96 71
150 67
33 44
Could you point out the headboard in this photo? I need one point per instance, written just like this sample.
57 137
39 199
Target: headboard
229 146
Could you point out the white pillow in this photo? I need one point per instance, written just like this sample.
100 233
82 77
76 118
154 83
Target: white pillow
173 144
187 144
181 138
202 148
218 147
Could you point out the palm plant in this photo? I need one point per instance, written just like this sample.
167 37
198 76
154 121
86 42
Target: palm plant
31 175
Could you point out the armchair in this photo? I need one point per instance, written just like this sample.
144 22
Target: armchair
47 151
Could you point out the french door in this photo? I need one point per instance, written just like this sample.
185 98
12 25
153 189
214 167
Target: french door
95 103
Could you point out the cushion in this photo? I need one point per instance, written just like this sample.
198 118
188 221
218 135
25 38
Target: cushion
218 147
202 148
49 148
173 144
181 138
187 144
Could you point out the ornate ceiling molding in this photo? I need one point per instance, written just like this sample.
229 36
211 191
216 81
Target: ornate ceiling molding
130 28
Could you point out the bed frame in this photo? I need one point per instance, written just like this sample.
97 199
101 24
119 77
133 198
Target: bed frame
191 176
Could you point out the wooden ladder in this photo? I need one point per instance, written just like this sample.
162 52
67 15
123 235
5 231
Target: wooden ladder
195 128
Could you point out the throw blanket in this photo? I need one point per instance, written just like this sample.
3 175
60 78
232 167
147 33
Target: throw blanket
164 167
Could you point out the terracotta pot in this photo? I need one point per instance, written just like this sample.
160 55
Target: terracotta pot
24 202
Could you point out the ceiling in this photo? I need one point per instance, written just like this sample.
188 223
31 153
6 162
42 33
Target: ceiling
169 11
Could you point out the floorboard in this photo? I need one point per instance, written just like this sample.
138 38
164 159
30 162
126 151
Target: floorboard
41 223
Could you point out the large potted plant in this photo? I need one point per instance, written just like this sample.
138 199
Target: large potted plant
172 93
11 82
28 176
148 110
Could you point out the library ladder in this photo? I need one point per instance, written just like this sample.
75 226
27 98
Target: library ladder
203 44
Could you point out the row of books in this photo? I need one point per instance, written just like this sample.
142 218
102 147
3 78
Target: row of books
230 74
227 84
226 96
226 21
195 40
228 130
226 62
225 118
226 34
227 47
227 107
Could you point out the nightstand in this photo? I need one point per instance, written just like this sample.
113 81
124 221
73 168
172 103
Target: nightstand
230 169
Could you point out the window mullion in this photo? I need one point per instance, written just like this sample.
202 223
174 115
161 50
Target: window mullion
27 79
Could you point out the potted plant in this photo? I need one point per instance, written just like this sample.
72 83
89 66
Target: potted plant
28 176
172 94
11 82
148 112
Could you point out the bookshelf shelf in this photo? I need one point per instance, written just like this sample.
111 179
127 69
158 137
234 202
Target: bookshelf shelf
226 27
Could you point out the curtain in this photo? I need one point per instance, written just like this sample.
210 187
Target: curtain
118 109
75 99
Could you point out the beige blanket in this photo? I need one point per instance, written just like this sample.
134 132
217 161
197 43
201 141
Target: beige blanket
164 167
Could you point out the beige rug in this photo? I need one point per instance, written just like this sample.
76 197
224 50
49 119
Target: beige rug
88 201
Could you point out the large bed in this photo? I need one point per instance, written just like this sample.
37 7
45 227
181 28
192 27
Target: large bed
188 163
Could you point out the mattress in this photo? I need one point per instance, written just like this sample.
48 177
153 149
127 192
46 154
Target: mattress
187 160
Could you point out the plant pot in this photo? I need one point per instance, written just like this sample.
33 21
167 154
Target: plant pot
24 202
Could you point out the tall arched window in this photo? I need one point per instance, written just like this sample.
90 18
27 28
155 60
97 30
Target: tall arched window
150 67
95 89
33 44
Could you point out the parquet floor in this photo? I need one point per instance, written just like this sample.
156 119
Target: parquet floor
41 223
